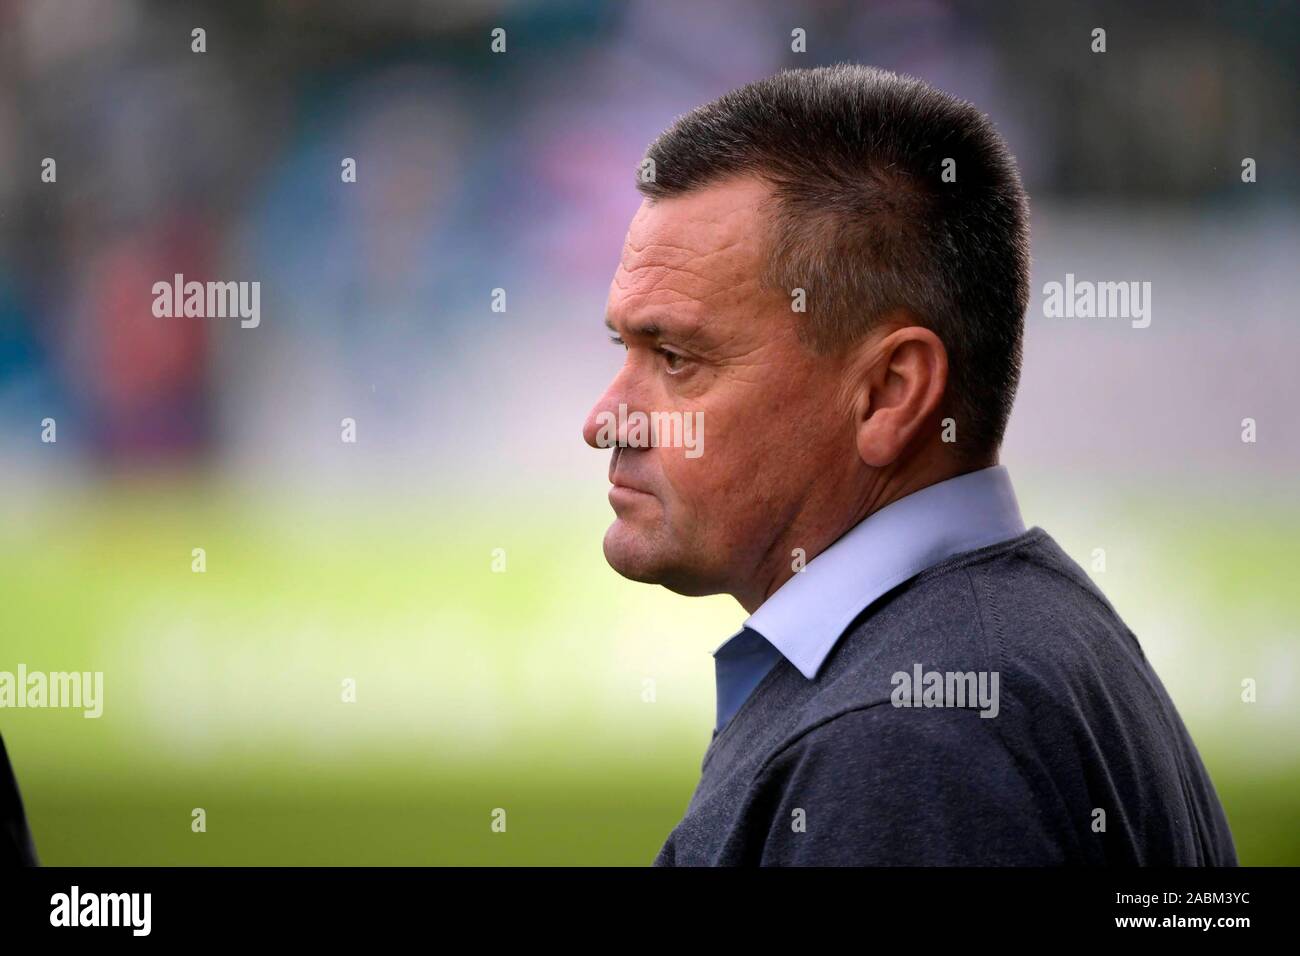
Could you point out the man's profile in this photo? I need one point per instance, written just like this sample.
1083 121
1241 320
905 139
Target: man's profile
829 272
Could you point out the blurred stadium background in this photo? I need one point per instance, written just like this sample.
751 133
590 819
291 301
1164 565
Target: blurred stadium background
372 561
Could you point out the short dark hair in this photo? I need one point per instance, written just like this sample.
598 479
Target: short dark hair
865 223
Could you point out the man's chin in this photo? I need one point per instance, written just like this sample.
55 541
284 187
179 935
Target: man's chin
638 557
630 554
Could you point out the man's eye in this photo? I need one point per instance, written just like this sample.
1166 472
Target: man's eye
673 361
618 340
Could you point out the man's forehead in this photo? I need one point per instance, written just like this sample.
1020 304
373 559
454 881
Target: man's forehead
691 248
721 218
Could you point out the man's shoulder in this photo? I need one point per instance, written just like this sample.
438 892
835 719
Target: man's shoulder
987 711
1018 620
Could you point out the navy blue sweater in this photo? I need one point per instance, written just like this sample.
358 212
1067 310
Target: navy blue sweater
1085 759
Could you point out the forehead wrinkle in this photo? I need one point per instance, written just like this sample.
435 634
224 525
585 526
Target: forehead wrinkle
675 318
665 285
678 314
692 288
681 259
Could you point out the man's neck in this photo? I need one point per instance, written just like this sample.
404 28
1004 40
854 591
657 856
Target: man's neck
814 530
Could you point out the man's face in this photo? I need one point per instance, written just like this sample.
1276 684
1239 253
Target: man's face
703 336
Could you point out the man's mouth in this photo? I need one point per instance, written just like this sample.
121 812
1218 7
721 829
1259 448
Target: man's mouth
621 482
618 482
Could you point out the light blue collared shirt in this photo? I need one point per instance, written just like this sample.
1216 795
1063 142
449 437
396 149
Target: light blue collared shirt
808 614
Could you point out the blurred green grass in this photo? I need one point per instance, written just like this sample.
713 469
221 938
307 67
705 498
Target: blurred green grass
576 701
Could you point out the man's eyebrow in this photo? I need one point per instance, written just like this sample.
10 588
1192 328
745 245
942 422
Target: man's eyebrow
647 330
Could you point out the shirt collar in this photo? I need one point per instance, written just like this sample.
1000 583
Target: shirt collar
807 615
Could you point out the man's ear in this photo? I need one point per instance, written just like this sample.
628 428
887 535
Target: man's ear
899 382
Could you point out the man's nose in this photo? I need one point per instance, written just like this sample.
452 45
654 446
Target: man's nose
601 429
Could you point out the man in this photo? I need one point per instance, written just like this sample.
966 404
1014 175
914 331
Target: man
830 269
16 847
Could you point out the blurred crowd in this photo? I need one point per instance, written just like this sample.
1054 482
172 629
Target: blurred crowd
478 169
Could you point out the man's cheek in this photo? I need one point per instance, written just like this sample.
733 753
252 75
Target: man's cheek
708 496
689 490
